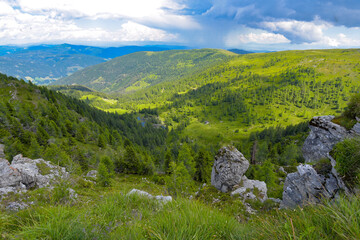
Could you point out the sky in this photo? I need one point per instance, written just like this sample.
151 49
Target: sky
251 25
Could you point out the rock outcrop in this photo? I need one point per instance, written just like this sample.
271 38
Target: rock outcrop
228 172
25 173
306 186
323 136
228 169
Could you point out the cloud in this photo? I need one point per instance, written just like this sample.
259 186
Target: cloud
249 12
299 31
260 38
24 28
164 13
5 9
74 21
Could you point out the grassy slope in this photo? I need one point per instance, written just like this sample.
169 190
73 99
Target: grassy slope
101 213
140 70
280 88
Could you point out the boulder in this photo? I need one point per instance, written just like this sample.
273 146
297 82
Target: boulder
9 176
251 189
228 169
160 198
306 186
24 173
323 136
37 172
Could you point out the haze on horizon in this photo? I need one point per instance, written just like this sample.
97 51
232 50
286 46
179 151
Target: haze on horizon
244 24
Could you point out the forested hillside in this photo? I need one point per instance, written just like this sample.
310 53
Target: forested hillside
226 101
143 69
43 64
38 122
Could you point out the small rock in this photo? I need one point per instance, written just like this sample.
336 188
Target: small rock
275 200
16 206
72 194
92 174
163 199
281 169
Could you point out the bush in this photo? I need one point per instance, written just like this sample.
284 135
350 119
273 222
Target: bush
323 166
347 156
353 109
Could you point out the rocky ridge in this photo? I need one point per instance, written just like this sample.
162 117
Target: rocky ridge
307 185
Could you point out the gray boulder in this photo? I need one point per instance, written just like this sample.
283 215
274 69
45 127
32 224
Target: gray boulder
323 136
9 176
251 189
228 169
38 172
306 186
24 173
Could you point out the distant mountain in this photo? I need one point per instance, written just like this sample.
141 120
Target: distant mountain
9 49
43 64
143 69
239 51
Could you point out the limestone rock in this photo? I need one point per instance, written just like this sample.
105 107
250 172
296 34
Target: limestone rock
323 136
251 189
228 169
92 174
9 176
306 186
37 172
24 173
160 198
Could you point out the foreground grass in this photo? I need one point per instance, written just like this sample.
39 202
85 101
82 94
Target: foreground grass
111 214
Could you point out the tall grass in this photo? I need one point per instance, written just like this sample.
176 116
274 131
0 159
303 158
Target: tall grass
338 219
118 216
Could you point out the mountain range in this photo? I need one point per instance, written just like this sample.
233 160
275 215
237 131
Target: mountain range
43 64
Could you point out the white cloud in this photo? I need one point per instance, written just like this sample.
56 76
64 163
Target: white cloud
38 21
160 13
254 36
23 28
6 9
299 31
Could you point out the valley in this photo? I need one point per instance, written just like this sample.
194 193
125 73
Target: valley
168 123
227 96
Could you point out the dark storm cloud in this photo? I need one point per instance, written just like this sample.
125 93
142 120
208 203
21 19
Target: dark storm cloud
248 12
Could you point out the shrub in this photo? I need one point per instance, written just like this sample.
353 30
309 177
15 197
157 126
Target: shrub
323 166
347 156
